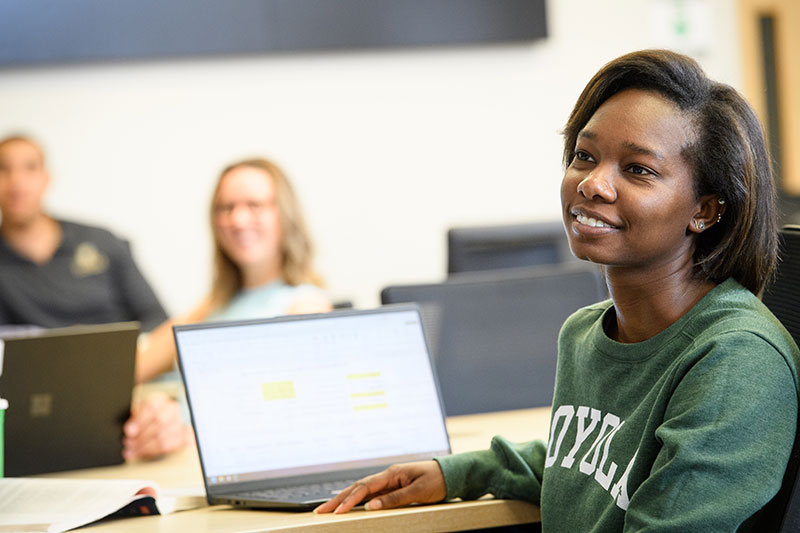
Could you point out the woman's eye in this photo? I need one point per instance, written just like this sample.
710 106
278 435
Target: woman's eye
258 207
638 169
223 209
581 155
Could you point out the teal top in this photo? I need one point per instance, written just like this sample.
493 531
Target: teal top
689 430
266 301
272 299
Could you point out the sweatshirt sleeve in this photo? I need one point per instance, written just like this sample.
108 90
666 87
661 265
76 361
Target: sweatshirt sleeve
506 470
725 441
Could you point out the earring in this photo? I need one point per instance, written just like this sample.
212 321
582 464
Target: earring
719 217
721 201
700 225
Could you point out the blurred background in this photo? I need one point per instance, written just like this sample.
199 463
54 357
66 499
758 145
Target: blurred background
390 139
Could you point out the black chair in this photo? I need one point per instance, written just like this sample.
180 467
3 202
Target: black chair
782 297
494 334
473 249
342 304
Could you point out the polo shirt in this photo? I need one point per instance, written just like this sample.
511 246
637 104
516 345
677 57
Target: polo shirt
92 278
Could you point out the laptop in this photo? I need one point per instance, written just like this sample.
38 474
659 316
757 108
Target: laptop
69 393
289 411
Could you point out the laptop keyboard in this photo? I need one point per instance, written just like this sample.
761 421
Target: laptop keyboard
300 493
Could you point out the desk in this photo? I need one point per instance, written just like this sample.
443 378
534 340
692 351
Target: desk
468 432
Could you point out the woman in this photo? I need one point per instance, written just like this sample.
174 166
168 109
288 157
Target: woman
262 258
262 268
676 401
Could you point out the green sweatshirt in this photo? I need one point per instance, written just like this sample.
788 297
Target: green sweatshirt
690 430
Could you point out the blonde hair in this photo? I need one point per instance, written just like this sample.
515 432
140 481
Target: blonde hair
295 247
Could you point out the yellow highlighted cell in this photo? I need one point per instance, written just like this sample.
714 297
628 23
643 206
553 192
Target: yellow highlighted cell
278 390
368 394
370 407
364 375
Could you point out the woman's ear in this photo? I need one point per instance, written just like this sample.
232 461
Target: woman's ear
710 210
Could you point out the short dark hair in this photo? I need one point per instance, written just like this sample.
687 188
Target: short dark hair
728 154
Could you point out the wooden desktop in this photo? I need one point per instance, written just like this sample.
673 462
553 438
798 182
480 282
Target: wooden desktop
468 432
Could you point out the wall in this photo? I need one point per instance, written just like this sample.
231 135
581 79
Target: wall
786 15
387 148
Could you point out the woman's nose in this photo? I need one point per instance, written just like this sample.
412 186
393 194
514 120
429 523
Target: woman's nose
240 214
598 185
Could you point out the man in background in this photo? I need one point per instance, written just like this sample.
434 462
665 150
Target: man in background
56 273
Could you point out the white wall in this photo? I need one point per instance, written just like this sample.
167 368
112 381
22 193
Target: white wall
386 148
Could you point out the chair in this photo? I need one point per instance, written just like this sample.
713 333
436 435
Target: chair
510 246
429 299
782 297
342 304
494 334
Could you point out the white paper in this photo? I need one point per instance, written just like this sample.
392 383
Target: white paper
41 504
171 499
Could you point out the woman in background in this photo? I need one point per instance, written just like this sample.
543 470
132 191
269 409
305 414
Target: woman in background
676 401
262 258
262 268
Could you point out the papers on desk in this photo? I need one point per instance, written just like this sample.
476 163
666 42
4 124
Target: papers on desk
45 505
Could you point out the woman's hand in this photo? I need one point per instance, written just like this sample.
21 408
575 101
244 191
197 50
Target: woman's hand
155 428
397 486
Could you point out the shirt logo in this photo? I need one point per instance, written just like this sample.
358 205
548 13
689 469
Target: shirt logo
599 430
88 261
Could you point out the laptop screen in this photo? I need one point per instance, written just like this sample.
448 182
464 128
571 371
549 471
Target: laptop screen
296 396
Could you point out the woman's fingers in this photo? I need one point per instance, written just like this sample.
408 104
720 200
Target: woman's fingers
334 502
154 429
416 483
397 486
359 493
356 493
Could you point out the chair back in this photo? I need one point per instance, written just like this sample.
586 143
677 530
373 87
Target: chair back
471 249
494 334
782 297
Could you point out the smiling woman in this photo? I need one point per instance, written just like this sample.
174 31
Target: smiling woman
675 402
262 258
625 190
260 238
720 138
262 267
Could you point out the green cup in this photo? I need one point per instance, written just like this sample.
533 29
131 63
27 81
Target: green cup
3 407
